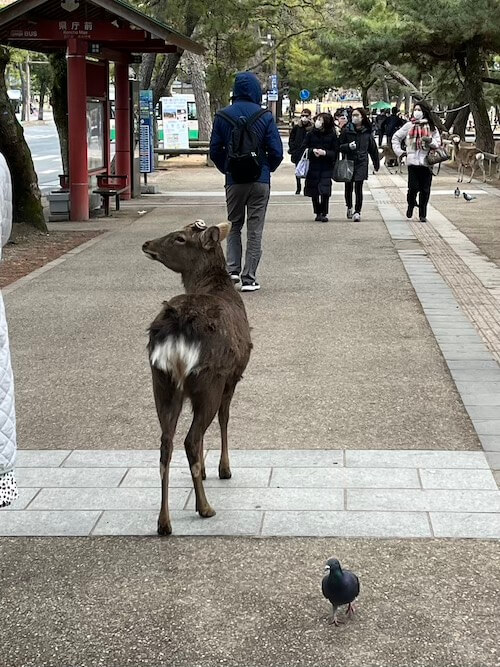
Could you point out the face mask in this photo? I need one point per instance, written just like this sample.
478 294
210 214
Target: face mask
357 120
418 114
304 119
318 124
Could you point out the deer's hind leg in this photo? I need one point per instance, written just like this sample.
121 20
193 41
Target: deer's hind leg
168 400
227 396
205 401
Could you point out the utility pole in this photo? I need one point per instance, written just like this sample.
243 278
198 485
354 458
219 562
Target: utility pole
28 88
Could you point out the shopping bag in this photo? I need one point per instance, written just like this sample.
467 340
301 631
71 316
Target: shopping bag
302 166
343 170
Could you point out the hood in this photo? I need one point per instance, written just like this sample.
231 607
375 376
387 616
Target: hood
247 87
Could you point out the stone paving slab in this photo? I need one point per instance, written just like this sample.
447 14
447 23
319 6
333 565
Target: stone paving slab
320 492
465 524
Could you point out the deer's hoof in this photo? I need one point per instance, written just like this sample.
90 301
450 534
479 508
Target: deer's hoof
206 512
224 473
164 529
203 474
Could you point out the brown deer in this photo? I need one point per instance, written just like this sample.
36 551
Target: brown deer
387 154
199 346
467 155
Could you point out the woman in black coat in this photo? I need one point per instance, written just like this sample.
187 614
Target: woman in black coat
322 149
297 138
356 143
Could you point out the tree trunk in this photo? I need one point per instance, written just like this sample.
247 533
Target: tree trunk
59 102
162 80
385 88
460 123
472 70
196 68
364 97
43 90
26 194
400 78
147 69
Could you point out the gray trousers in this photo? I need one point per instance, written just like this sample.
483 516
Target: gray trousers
250 199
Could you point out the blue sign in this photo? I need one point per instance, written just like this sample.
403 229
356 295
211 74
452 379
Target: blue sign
273 83
146 129
304 94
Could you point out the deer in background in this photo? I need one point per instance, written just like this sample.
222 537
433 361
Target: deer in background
467 155
199 346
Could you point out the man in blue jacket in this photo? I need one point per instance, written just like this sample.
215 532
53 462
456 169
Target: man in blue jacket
251 198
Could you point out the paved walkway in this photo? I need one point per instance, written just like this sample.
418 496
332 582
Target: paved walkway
281 491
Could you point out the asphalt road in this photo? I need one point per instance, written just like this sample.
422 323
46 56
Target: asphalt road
44 145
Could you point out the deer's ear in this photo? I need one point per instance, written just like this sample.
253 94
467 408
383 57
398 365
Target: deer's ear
225 228
210 237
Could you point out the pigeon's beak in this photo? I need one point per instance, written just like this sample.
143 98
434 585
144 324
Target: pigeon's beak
327 568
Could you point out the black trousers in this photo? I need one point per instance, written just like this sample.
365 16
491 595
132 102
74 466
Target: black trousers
320 204
357 186
298 184
419 183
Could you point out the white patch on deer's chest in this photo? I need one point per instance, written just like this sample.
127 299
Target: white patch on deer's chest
176 357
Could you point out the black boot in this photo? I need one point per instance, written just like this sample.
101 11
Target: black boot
299 186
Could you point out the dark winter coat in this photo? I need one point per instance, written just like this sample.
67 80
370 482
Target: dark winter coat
296 139
319 176
247 97
392 124
365 145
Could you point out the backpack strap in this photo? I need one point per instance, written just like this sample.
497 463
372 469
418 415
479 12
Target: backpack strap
250 120
227 117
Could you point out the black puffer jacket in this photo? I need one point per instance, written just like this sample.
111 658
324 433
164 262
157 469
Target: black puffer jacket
296 139
319 177
365 145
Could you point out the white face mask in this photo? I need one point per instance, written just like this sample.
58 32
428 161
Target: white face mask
357 120
318 124
418 114
304 119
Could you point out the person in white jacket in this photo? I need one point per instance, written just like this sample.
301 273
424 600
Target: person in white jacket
420 135
8 488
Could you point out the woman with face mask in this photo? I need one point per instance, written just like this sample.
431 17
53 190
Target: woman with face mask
420 135
357 143
296 139
321 144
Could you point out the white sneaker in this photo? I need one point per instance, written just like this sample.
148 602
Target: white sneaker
235 278
250 287
356 217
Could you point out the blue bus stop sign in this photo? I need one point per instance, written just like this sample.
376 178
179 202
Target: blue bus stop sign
305 94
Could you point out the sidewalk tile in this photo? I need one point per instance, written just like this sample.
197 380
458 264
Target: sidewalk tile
24 499
106 499
473 365
183 523
346 524
40 458
429 500
465 524
480 398
484 412
490 443
493 459
179 477
479 375
490 388
470 351
418 458
69 477
457 479
122 458
487 426
27 523
405 478
275 458
274 499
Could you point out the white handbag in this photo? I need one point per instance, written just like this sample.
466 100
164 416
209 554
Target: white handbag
302 167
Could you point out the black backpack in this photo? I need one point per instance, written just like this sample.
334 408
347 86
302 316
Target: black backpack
243 151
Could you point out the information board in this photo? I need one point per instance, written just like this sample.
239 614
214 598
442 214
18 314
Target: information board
146 132
174 111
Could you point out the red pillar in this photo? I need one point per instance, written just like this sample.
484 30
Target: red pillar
122 123
77 126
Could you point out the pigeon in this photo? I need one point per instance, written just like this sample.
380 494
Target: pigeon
340 587
141 212
468 197
457 192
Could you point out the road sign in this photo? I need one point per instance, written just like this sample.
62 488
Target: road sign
305 94
272 95
146 148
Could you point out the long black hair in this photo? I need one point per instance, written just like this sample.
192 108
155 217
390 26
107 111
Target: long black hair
327 121
366 121
426 110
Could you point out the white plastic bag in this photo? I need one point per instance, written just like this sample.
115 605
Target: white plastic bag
302 166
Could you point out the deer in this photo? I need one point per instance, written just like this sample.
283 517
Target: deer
467 156
199 346
387 154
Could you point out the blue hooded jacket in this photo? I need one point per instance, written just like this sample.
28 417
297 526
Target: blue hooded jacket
247 97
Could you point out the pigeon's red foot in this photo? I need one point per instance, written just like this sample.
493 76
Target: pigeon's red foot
351 609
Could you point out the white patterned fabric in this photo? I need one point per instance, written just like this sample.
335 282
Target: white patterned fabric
7 411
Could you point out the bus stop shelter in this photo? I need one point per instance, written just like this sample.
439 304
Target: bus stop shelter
92 33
